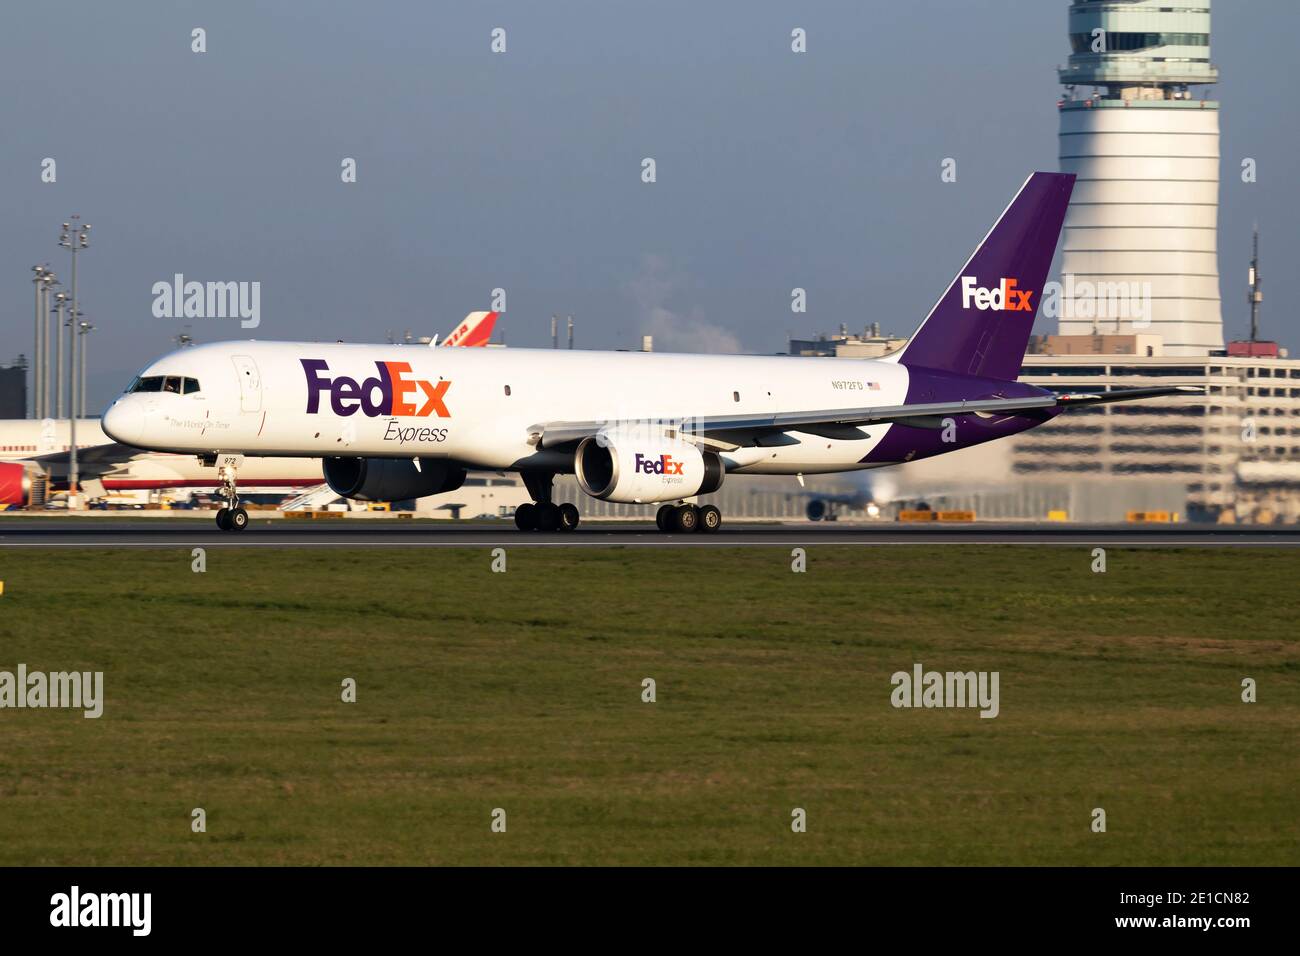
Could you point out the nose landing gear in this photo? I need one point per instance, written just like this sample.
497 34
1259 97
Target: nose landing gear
232 517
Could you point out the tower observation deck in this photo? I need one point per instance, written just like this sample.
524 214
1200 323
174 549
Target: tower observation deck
1146 153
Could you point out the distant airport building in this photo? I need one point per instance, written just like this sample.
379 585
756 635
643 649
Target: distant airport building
1232 455
870 344
13 389
1146 153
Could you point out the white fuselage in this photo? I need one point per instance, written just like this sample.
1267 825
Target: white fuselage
480 407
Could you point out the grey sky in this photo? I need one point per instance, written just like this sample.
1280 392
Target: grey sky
522 170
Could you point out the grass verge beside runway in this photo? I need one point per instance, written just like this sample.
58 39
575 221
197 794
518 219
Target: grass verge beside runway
522 691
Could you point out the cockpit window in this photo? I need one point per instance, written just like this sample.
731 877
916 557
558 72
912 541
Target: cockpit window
164 383
148 383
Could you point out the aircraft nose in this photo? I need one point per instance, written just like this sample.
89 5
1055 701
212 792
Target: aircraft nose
124 422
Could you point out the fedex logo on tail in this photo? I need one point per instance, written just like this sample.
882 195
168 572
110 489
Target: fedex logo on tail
1004 297
385 393
663 465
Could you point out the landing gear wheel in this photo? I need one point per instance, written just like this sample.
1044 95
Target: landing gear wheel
547 516
686 518
526 517
663 517
231 517
568 517
710 519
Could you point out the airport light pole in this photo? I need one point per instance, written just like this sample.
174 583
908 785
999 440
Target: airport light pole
48 282
37 279
86 328
60 299
74 472
74 237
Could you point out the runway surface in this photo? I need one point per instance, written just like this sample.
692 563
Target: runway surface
156 533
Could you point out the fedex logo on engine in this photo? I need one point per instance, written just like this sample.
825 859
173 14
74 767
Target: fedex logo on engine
1004 297
663 465
382 394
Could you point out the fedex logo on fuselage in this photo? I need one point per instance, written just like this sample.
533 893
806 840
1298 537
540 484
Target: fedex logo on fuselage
663 465
383 394
1004 297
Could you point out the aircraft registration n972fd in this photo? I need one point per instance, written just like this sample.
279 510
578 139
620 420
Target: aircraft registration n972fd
393 423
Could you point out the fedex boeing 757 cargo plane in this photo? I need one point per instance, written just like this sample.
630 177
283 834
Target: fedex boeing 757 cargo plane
649 428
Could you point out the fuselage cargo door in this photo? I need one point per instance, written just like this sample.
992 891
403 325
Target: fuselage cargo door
250 383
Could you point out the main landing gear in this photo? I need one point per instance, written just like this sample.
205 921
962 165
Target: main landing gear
542 514
687 518
231 517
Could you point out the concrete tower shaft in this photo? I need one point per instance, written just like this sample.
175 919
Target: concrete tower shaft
1146 154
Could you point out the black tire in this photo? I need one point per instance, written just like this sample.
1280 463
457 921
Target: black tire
238 520
686 518
526 517
548 517
568 517
663 517
223 519
710 519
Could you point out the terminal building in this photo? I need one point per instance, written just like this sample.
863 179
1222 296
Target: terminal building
13 389
1231 455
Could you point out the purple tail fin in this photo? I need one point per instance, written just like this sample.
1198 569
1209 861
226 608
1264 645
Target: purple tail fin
981 325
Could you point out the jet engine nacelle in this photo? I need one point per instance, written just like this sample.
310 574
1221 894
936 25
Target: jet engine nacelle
15 484
391 479
623 467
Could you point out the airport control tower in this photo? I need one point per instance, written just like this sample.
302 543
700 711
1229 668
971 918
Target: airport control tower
1146 151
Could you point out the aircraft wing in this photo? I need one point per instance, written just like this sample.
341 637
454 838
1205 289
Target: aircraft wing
841 423
92 462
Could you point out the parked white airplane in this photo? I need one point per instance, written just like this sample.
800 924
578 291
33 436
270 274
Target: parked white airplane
635 427
29 447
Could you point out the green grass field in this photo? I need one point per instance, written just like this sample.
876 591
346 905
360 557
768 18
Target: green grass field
523 691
